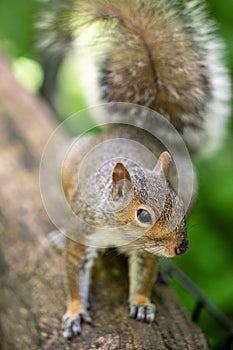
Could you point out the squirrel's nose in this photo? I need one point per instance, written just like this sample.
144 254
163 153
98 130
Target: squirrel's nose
182 248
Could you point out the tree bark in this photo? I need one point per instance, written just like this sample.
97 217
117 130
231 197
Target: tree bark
32 298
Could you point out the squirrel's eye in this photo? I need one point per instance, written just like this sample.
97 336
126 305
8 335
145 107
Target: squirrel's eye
144 216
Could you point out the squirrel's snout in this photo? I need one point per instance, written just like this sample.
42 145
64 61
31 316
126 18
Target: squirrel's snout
182 248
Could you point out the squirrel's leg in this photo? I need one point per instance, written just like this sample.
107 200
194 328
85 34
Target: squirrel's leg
143 269
78 263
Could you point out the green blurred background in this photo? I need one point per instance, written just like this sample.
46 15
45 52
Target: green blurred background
209 262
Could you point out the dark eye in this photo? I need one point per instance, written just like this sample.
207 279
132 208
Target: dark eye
144 216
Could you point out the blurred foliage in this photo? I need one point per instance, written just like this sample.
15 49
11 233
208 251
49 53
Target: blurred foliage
209 261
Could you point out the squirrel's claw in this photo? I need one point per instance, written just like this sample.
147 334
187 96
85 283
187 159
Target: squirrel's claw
72 325
144 313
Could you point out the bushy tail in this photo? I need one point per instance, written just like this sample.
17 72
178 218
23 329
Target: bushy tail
157 54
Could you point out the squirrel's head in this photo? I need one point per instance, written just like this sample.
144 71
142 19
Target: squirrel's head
153 210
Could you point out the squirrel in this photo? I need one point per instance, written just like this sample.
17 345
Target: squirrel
165 56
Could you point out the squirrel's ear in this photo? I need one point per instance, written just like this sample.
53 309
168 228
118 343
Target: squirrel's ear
119 176
163 164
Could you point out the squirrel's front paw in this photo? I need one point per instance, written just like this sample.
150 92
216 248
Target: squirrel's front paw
72 324
143 312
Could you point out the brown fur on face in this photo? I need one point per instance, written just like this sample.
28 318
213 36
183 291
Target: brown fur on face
163 236
165 232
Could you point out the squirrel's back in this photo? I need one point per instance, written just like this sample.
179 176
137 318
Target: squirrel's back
161 54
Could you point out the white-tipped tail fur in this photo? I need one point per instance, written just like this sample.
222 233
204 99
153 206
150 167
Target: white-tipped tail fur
161 54
218 109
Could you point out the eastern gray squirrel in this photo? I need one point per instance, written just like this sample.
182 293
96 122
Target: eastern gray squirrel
163 55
